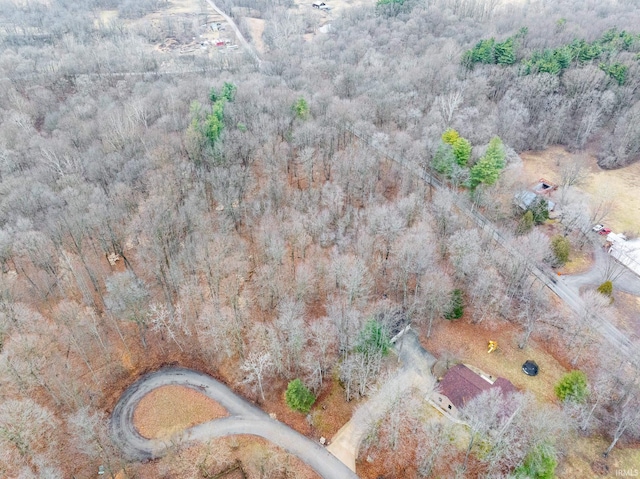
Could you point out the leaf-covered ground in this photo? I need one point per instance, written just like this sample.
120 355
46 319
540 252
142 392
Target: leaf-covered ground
171 409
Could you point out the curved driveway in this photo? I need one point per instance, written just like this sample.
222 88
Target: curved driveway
623 279
245 418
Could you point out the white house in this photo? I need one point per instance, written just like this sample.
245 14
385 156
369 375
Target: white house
626 252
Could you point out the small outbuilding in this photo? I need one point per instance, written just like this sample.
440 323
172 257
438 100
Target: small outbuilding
544 187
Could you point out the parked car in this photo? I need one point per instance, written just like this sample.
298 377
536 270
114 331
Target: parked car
321 6
597 228
530 368
604 231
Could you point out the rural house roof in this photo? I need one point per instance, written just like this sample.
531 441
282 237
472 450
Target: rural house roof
461 384
524 199
626 252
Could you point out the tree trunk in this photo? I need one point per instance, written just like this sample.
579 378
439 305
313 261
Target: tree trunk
260 387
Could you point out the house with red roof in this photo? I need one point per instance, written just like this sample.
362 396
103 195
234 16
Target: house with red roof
461 384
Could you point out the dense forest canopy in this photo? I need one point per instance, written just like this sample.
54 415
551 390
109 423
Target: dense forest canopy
249 223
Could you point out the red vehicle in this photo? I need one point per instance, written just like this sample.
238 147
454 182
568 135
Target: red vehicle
604 231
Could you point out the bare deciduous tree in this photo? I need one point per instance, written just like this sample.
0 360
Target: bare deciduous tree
168 321
594 307
509 426
444 217
572 173
625 418
220 330
322 352
26 426
90 433
257 366
434 447
448 105
611 269
288 338
435 294
358 372
412 259
533 306
465 250
352 279
127 297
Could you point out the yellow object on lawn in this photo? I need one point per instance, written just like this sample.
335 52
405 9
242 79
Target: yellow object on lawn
492 346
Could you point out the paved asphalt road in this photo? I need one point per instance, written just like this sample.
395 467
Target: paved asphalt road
245 418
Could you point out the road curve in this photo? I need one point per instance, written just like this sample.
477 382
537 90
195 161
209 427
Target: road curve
244 418
623 279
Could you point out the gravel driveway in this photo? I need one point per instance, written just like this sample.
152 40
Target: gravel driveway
245 418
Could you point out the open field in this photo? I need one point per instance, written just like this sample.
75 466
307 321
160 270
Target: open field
584 458
580 261
620 186
256 27
627 307
171 409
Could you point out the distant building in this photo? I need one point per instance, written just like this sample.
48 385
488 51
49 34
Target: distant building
530 199
544 187
463 383
626 252
527 200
